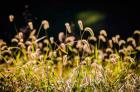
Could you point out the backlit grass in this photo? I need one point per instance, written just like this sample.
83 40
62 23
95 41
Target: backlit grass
88 63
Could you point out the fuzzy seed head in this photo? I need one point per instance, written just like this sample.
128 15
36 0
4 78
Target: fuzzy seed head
63 46
129 48
121 42
121 51
86 48
61 36
136 32
11 18
79 44
93 38
68 28
88 29
32 33
109 50
114 39
70 40
4 47
15 40
28 43
117 37
45 24
40 45
46 41
52 40
20 34
30 24
102 38
130 39
80 23
129 59
103 32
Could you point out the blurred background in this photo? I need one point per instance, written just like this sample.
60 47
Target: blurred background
116 17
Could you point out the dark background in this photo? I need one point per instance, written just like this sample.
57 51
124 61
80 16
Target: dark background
121 17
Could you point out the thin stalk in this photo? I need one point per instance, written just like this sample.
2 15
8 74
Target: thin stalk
39 30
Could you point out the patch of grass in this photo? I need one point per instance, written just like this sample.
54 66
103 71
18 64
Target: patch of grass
87 64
